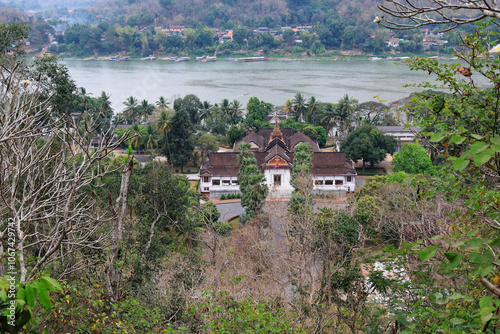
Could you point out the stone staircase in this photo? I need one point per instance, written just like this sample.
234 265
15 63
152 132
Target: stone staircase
280 192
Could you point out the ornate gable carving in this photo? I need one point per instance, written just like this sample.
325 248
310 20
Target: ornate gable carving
276 161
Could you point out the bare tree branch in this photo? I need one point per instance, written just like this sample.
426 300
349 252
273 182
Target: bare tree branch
412 14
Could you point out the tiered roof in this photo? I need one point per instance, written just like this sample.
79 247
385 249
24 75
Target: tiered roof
278 153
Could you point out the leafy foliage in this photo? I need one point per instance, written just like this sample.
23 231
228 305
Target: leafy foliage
413 159
369 144
252 182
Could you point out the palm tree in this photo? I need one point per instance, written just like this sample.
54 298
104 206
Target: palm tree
146 109
288 107
312 108
150 139
328 117
162 103
164 124
206 110
137 139
105 110
235 111
235 108
85 97
345 108
299 105
130 112
225 107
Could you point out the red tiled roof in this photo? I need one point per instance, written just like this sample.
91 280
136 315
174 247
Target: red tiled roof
301 137
251 137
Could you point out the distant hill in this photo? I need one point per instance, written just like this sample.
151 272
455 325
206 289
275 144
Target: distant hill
251 13
37 5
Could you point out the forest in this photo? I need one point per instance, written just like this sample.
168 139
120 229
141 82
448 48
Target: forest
141 29
93 241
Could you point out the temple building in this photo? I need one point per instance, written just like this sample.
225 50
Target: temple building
273 150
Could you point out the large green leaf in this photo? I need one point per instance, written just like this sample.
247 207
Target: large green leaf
21 293
43 296
475 243
438 136
478 146
461 163
485 258
481 158
495 140
457 321
50 283
30 293
457 139
427 253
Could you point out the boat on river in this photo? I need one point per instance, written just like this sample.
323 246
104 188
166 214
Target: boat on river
123 59
251 59
209 59
183 59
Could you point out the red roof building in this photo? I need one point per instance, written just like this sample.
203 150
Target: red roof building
274 152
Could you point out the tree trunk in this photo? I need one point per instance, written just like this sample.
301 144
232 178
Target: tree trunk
113 270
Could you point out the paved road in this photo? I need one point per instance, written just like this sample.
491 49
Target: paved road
229 210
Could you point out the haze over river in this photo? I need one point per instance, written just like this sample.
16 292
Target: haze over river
272 81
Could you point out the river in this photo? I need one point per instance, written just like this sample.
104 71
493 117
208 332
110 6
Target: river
272 81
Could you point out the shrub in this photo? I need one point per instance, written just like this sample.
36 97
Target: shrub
223 197
238 195
189 171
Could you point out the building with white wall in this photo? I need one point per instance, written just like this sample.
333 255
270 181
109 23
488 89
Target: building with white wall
274 151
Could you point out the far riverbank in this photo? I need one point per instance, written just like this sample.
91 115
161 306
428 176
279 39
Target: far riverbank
271 81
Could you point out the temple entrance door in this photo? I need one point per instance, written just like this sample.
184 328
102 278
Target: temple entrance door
277 179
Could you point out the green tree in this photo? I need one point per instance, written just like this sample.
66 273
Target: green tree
345 109
145 109
312 108
138 136
234 134
207 143
164 123
150 137
162 103
369 144
257 113
299 106
301 179
131 112
252 183
330 33
328 117
289 36
190 104
413 159
179 146
56 85
105 112
161 207
128 36
239 35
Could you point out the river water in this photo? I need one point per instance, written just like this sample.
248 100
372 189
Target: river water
272 81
